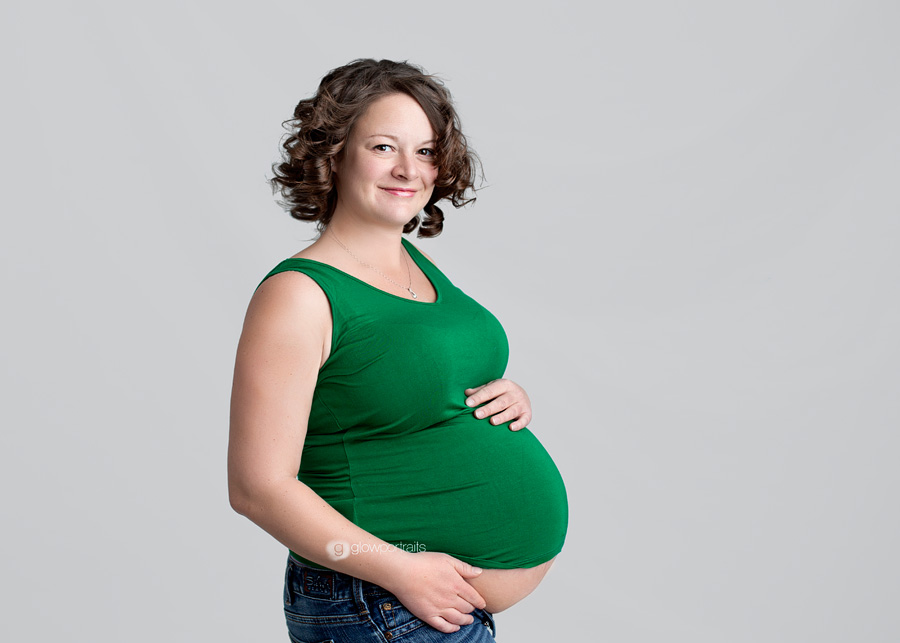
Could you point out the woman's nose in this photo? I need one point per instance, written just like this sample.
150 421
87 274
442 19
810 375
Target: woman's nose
406 167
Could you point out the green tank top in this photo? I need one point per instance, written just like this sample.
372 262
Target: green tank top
393 447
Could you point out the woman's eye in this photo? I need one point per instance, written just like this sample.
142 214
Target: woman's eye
426 152
382 147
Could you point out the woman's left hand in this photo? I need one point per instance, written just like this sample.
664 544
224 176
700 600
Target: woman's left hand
503 400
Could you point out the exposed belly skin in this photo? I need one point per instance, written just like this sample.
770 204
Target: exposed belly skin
503 588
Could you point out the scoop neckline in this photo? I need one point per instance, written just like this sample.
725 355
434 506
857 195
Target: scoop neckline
407 245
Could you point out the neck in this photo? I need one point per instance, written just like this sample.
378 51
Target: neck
377 245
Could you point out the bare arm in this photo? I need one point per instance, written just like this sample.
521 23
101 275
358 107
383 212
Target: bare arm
283 345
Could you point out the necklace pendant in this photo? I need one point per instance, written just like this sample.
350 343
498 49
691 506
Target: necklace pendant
414 295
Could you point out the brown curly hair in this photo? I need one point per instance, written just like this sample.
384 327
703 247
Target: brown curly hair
321 125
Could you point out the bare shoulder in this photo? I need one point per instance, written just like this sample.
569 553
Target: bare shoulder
289 309
289 293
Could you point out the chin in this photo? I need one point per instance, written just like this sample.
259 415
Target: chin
400 218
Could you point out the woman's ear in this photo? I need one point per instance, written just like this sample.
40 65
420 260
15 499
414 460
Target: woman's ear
333 165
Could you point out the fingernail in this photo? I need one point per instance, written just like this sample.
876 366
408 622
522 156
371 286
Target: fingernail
479 413
470 402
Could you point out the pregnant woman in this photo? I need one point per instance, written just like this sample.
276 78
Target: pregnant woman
372 432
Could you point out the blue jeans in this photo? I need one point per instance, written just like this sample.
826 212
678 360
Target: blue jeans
324 606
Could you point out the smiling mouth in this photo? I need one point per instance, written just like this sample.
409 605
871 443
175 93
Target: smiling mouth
400 192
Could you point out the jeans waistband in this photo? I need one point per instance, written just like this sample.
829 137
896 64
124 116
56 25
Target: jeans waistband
331 584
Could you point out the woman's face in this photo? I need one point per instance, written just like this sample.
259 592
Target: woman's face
387 168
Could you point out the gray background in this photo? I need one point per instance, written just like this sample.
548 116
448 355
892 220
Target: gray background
686 233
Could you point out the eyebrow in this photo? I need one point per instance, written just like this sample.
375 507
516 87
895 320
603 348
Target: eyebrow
394 138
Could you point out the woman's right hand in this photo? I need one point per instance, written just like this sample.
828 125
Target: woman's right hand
434 587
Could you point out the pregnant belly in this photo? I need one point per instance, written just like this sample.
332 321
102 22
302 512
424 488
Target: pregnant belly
481 493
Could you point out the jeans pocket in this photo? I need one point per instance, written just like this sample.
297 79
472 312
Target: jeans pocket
390 615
